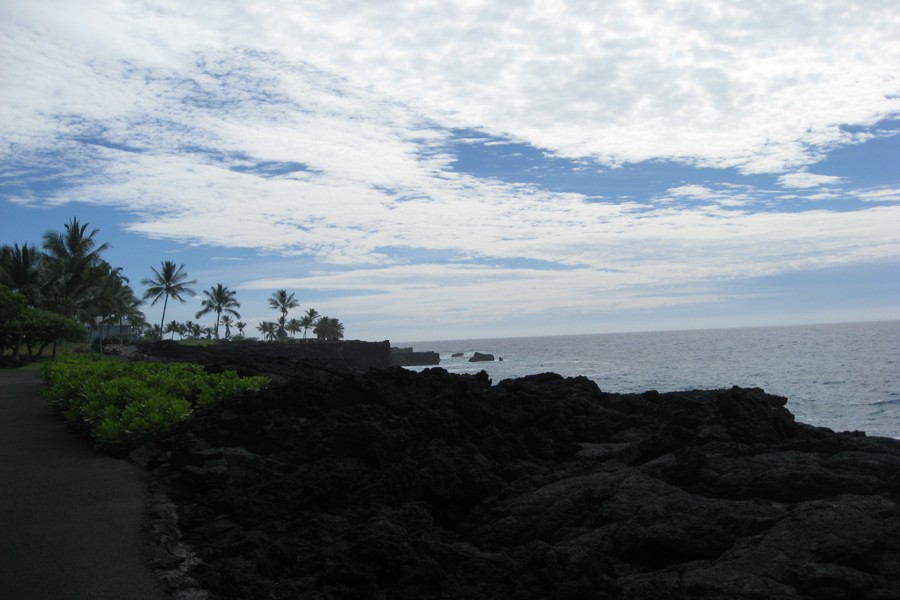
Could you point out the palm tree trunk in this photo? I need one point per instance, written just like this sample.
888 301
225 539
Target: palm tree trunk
163 320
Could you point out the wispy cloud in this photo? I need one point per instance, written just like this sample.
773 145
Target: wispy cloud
882 194
803 179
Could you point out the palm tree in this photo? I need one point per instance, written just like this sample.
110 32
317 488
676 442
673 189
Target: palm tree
308 320
227 322
240 327
113 299
187 328
20 269
174 327
172 281
153 331
293 326
219 299
329 329
282 301
268 329
72 257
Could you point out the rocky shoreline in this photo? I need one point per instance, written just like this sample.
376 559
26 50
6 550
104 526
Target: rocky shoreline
337 484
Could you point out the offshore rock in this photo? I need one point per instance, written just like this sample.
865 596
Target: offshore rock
479 357
403 485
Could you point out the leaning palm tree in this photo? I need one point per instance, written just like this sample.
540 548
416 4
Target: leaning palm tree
170 280
283 302
219 299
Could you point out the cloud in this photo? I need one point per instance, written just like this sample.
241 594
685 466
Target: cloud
881 194
803 179
328 130
762 88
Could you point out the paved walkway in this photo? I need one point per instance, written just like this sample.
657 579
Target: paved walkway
70 516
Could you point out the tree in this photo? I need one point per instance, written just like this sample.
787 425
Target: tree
268 329
174 327
12 306
34 327
329 329
219 299
170 280
227 322
152 332
21 270
283 302
293 326
309 320
240 327
43 327
71 271
113 299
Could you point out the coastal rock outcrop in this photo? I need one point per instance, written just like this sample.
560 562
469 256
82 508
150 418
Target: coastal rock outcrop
481 357
407 357
403 485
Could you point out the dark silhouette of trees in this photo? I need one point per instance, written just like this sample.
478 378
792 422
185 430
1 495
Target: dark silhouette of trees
329 329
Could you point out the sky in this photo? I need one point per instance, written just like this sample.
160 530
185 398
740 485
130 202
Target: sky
433 170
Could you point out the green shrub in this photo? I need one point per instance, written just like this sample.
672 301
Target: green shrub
123 404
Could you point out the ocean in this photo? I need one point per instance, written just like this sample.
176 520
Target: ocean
842 376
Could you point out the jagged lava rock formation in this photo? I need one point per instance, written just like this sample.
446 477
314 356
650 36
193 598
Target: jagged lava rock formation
401 485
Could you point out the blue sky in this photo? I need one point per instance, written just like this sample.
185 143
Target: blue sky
441 170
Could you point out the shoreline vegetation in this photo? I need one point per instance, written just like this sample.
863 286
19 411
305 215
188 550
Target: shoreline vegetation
65 291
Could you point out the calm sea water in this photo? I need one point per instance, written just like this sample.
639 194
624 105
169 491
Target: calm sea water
844 376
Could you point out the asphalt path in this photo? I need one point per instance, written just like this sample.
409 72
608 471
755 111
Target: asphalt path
70 516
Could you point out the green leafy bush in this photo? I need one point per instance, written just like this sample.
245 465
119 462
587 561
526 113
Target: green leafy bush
123 404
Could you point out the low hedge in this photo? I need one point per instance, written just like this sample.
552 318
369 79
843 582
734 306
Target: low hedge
124 404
